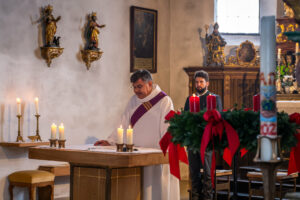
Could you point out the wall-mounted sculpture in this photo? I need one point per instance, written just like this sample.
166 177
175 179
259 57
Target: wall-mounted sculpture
92 51
51 48
215 47
295 5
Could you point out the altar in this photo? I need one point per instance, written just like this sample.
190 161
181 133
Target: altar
101 172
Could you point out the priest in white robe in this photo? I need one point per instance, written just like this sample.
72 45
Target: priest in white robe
148 127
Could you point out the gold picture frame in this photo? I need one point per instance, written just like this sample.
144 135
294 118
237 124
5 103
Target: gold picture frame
246 53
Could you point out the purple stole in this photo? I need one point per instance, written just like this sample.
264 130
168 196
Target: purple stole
144 107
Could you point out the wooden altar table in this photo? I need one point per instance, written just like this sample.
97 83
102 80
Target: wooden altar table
101 172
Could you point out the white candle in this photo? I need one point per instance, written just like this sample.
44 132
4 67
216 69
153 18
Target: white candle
18 106
61 130
129 135
36 102
278 54
53 131
268 117
120 135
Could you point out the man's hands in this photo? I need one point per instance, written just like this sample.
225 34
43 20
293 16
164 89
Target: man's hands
101 143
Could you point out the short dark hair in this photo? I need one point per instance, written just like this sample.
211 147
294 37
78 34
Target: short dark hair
143 74
202 74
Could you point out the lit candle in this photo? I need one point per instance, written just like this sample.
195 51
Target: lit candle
120 135
256 102
211 102
61 130
53 131
194 103
36 102
129 135
268 115
18 106
278 54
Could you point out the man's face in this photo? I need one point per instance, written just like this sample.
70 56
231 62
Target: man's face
201 83
142 88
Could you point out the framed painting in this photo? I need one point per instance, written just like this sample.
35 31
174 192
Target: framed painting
246 53
143 39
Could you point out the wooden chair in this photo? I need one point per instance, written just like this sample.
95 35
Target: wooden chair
31 179
222 182
281 177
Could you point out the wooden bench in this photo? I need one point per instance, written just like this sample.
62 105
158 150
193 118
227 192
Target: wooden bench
281 178
57 170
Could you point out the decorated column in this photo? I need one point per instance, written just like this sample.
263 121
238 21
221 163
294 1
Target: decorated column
268 115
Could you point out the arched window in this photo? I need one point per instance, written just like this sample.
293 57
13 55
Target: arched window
237 16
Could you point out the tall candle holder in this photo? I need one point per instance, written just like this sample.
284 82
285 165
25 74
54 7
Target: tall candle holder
38 137
19 137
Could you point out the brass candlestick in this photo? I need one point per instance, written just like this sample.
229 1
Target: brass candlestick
120 147
61 143
53 142
38 137
19 138
129 147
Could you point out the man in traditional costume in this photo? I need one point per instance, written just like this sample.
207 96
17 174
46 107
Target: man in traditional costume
145 112
201 189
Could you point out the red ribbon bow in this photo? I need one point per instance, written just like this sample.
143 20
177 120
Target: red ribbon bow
215 127
294 163
176 152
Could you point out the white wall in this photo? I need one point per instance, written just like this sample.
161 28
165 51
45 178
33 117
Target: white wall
188 18
89 103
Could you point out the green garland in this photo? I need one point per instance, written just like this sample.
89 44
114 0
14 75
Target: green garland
187 129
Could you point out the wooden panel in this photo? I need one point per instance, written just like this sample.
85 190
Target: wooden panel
57 170
23 144
90 183
126 182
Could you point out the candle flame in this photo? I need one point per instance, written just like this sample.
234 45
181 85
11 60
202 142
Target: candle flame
129 127
194 95
36 99
18 100
121 126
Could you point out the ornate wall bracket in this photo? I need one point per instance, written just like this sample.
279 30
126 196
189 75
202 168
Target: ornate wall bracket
89 56
49 53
